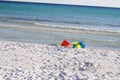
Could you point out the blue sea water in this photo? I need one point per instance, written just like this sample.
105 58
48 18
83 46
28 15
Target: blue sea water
51 23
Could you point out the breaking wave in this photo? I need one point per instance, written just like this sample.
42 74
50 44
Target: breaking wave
46 25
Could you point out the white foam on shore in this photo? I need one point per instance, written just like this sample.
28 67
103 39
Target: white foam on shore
27 61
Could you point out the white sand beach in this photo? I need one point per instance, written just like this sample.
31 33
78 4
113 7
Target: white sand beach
28 61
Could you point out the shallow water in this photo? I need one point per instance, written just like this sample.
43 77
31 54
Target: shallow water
50 24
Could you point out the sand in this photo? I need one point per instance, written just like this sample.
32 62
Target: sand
30 61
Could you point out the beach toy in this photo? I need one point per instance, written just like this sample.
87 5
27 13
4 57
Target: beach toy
73 46
65 43
82 44
76 45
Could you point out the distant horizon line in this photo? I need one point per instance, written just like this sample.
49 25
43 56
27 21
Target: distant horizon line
29 2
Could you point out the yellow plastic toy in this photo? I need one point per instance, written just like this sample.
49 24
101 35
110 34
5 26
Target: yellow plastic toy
78 46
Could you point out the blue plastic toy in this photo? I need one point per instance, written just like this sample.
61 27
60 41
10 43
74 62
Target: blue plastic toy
81 43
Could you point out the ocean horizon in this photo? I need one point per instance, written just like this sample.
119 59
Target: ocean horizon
62 4
51 23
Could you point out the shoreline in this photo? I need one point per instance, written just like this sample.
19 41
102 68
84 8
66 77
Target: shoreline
21 61
58 44
107 40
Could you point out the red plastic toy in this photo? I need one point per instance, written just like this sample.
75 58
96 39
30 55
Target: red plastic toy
65 43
